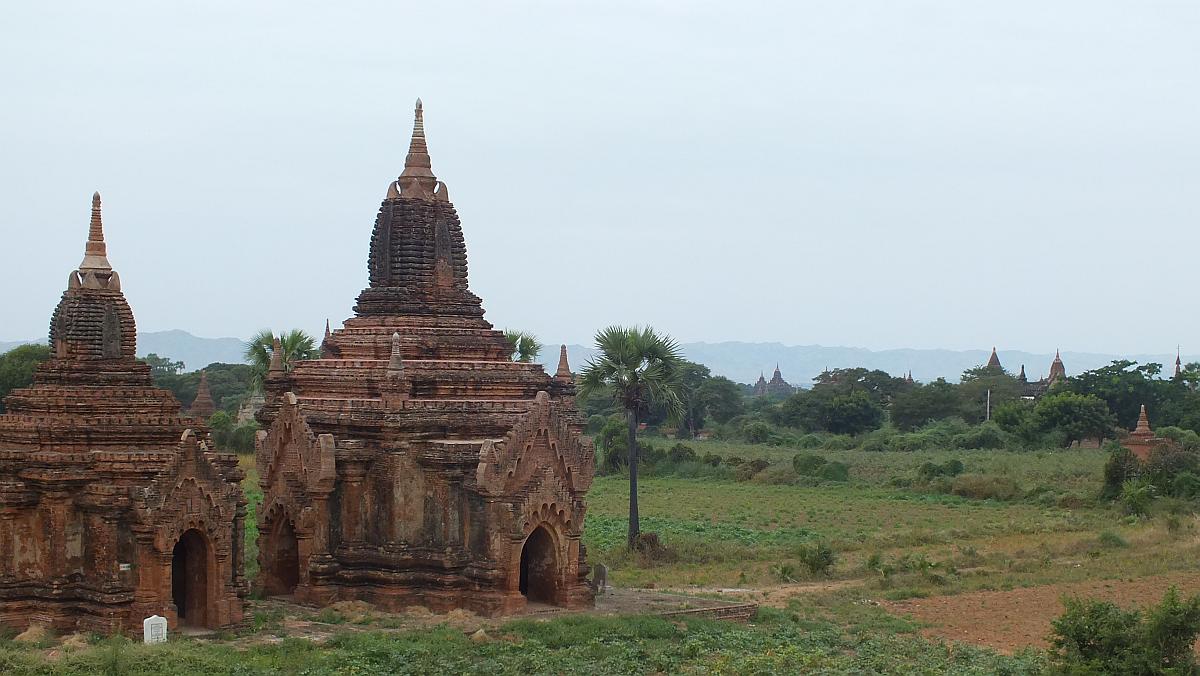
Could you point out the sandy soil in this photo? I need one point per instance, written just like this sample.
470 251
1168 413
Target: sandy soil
1010 620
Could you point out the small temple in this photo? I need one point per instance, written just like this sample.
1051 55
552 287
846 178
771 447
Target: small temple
113 507
415 463
776 387
202 406
1142 439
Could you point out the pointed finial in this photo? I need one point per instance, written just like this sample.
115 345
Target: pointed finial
564 369
95 253
417 179
326 328
1143 423
395 362
276 356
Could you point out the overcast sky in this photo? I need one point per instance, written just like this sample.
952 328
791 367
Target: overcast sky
881 174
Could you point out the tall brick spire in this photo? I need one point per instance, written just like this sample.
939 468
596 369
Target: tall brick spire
95 253
417 179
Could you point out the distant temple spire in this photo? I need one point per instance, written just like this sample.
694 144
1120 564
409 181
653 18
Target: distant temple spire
326 328
1178 362
1057 370
564 369
994 360
95 253
203 405
1021 376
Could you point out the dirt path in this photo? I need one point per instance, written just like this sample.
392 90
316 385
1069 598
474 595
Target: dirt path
776 596
1010 620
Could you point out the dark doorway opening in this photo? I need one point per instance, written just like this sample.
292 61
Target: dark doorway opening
283 572
189 579
539 567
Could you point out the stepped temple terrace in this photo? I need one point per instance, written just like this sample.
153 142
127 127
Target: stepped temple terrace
113 508
415 463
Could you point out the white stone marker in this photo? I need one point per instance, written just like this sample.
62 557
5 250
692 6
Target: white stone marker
154 629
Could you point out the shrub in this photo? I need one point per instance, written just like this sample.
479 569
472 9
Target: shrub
681 453
834 471
985 436
808 463
1168 461
1111 540
1136 497
746 470
1097 637
984 487
950 468
1122 466
757 432
1186 486
712 459
818 558
810 441
734 460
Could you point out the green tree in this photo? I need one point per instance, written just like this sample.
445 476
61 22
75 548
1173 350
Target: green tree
923 404
692 377
978 384
1125 386
723 398
639 368
1074 416
17 367
879 385
295 344
525 346
162 366
853 413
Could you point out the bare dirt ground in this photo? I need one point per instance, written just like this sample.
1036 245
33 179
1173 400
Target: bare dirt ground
1011 620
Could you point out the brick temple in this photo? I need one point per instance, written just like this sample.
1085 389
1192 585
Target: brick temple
415 463
112 506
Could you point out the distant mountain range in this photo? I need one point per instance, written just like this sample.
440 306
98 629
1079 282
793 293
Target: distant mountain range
742 362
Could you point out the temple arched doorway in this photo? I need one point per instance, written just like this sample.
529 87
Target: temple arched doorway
539 567
282 570
189 579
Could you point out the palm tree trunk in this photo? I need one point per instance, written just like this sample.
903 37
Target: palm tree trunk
634 523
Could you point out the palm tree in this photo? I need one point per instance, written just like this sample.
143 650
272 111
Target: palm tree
638 368
525 346
296 345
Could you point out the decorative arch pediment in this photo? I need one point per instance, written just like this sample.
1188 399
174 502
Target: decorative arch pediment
541 441
289 450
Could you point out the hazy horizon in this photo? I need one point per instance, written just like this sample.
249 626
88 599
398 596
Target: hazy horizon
932 175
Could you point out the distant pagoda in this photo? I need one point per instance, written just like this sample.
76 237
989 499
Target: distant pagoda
202 407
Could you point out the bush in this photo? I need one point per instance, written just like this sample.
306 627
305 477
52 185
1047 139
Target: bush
983 487
747 470
985 436
1167 462
818 559
757 432
1097 637
835 471
1122 466
712 459
1186 486
681 453
1111 540
950 468
808 463
1136 497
